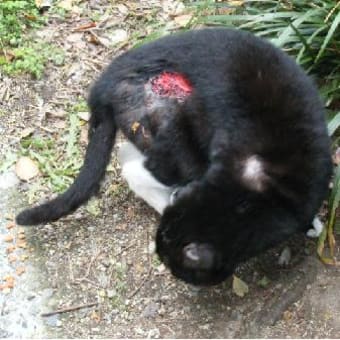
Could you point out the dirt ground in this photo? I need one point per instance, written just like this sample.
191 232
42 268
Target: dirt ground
108 260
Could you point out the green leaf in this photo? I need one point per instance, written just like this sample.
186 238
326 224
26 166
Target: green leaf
329 36
264 282
71 147
334 124
287 33
240 288
9 160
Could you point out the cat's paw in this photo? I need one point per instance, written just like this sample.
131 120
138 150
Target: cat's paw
174 196
317 228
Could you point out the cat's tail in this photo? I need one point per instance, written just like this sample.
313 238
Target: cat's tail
87 182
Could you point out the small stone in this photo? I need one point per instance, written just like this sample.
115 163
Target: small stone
8 180
84 116
285 257
161 268
102 293
31 297
20 270
8 238
51 320
111 293
118 36
150 310
235 315
152 247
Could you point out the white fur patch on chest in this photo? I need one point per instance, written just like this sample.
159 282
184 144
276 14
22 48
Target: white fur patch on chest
253 175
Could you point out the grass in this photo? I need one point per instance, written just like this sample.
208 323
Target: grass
60 163
19 52
16 17
309 31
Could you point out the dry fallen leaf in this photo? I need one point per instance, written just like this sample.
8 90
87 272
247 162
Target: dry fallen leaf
10 225
84 115
287 315
135 126
118 36
240 288
8 56
10 249
26 169
65 4
95 316
23 257
9 281
183 20
8 238
60 124
26 132
236 3
21 236
20 270
122 9
83 138
22 244
43 3
12 258
85 27
56 114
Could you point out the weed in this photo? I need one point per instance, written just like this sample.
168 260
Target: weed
16 17
307 30
9 159
116 296
18 52
31 58
59 162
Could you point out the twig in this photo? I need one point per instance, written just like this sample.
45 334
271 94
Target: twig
85 279
70 267
85 27
125 249
69 309
94 258
141 284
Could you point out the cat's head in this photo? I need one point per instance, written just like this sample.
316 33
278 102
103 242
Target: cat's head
202 242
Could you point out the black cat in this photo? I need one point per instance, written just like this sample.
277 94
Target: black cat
233 122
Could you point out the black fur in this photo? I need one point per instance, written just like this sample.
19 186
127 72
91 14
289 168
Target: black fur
250 100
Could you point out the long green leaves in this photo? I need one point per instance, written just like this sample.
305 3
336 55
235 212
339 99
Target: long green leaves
308 30
334 124
329 36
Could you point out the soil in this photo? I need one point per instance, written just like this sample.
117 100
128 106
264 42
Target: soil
108 260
